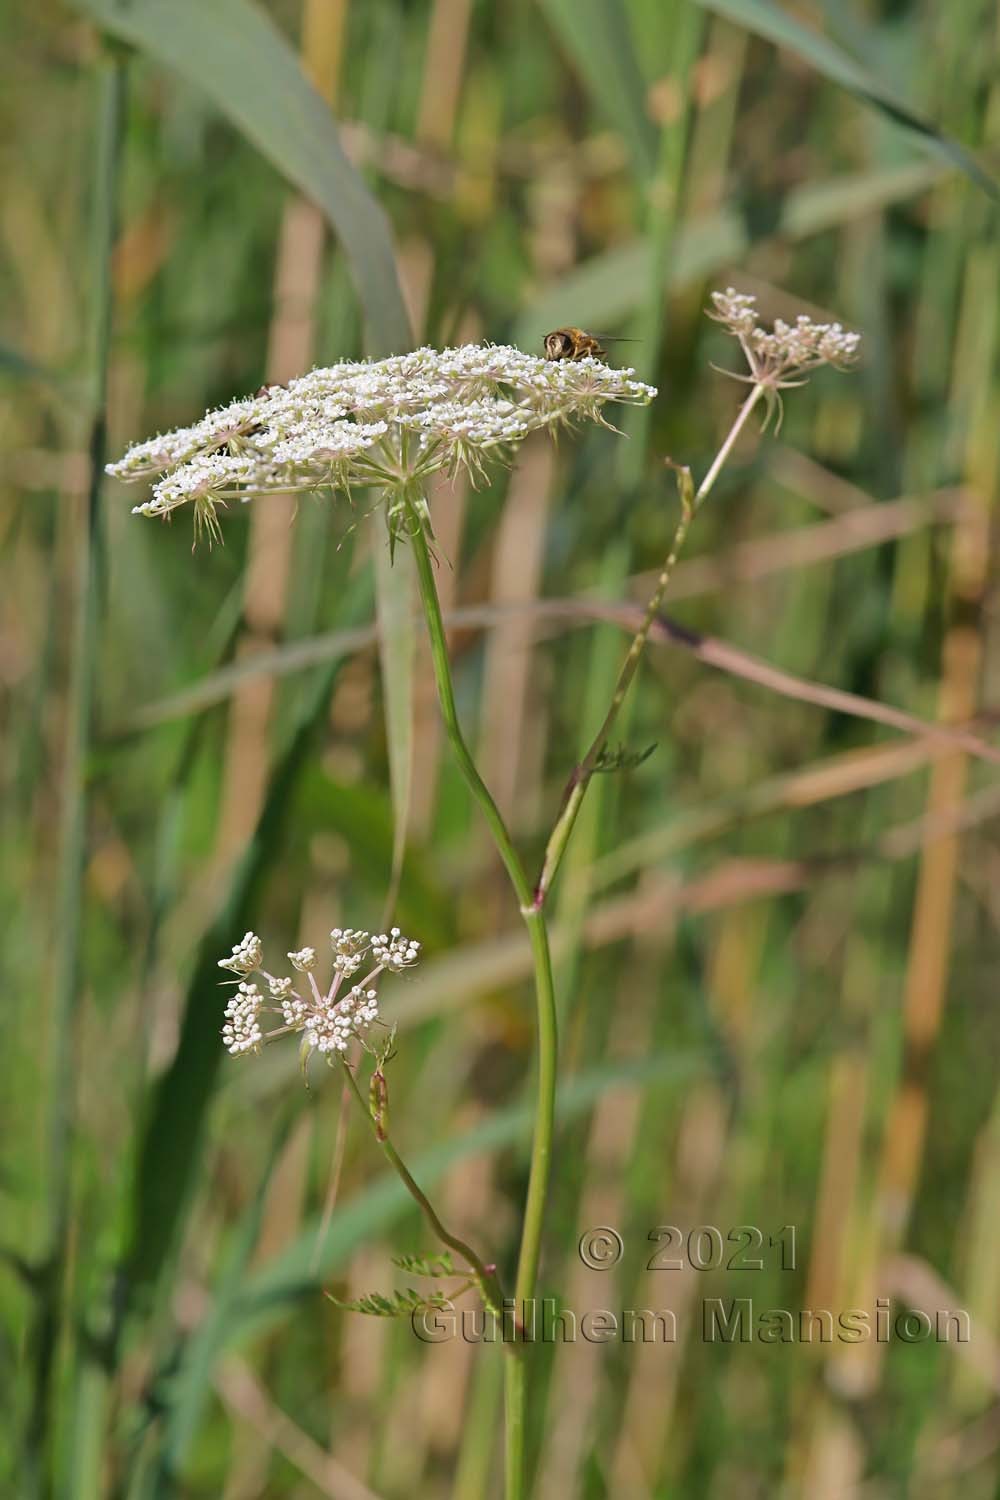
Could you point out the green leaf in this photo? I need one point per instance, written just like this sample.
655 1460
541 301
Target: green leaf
597 36
232 52
770 21
622 759
426 1265
400 1305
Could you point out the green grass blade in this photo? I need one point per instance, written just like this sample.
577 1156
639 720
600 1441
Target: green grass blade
190 1383
68 986
232 52
769 21
597 36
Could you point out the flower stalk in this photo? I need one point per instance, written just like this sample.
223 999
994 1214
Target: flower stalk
484 1276
576 787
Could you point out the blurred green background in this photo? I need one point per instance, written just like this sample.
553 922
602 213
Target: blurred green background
777 940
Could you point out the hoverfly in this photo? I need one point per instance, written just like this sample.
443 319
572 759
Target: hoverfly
575 343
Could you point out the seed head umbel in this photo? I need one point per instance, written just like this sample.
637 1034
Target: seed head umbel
385 424
787 353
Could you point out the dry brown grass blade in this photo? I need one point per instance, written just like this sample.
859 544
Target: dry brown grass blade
246 1398
444 70
726 658
837 776
712 651
931 936
802 474
853 530
916 1283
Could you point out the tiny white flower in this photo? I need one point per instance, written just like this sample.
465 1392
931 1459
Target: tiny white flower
280 989
295 1011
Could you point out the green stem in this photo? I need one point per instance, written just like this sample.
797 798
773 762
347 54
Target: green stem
486 1277
514 1405
446 697
541 1145
577 786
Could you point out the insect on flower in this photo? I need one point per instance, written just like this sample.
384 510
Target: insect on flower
575 343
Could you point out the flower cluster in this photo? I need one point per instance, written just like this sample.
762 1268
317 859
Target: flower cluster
781 356
327 1021
246 955
386 423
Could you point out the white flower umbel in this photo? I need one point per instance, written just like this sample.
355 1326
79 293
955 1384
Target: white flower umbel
327 1021
388 423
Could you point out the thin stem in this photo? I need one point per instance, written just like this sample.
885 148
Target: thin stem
515 1404
486 1276
577 785
548 1041
446 697
727 447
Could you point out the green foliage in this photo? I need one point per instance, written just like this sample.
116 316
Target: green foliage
399 1304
